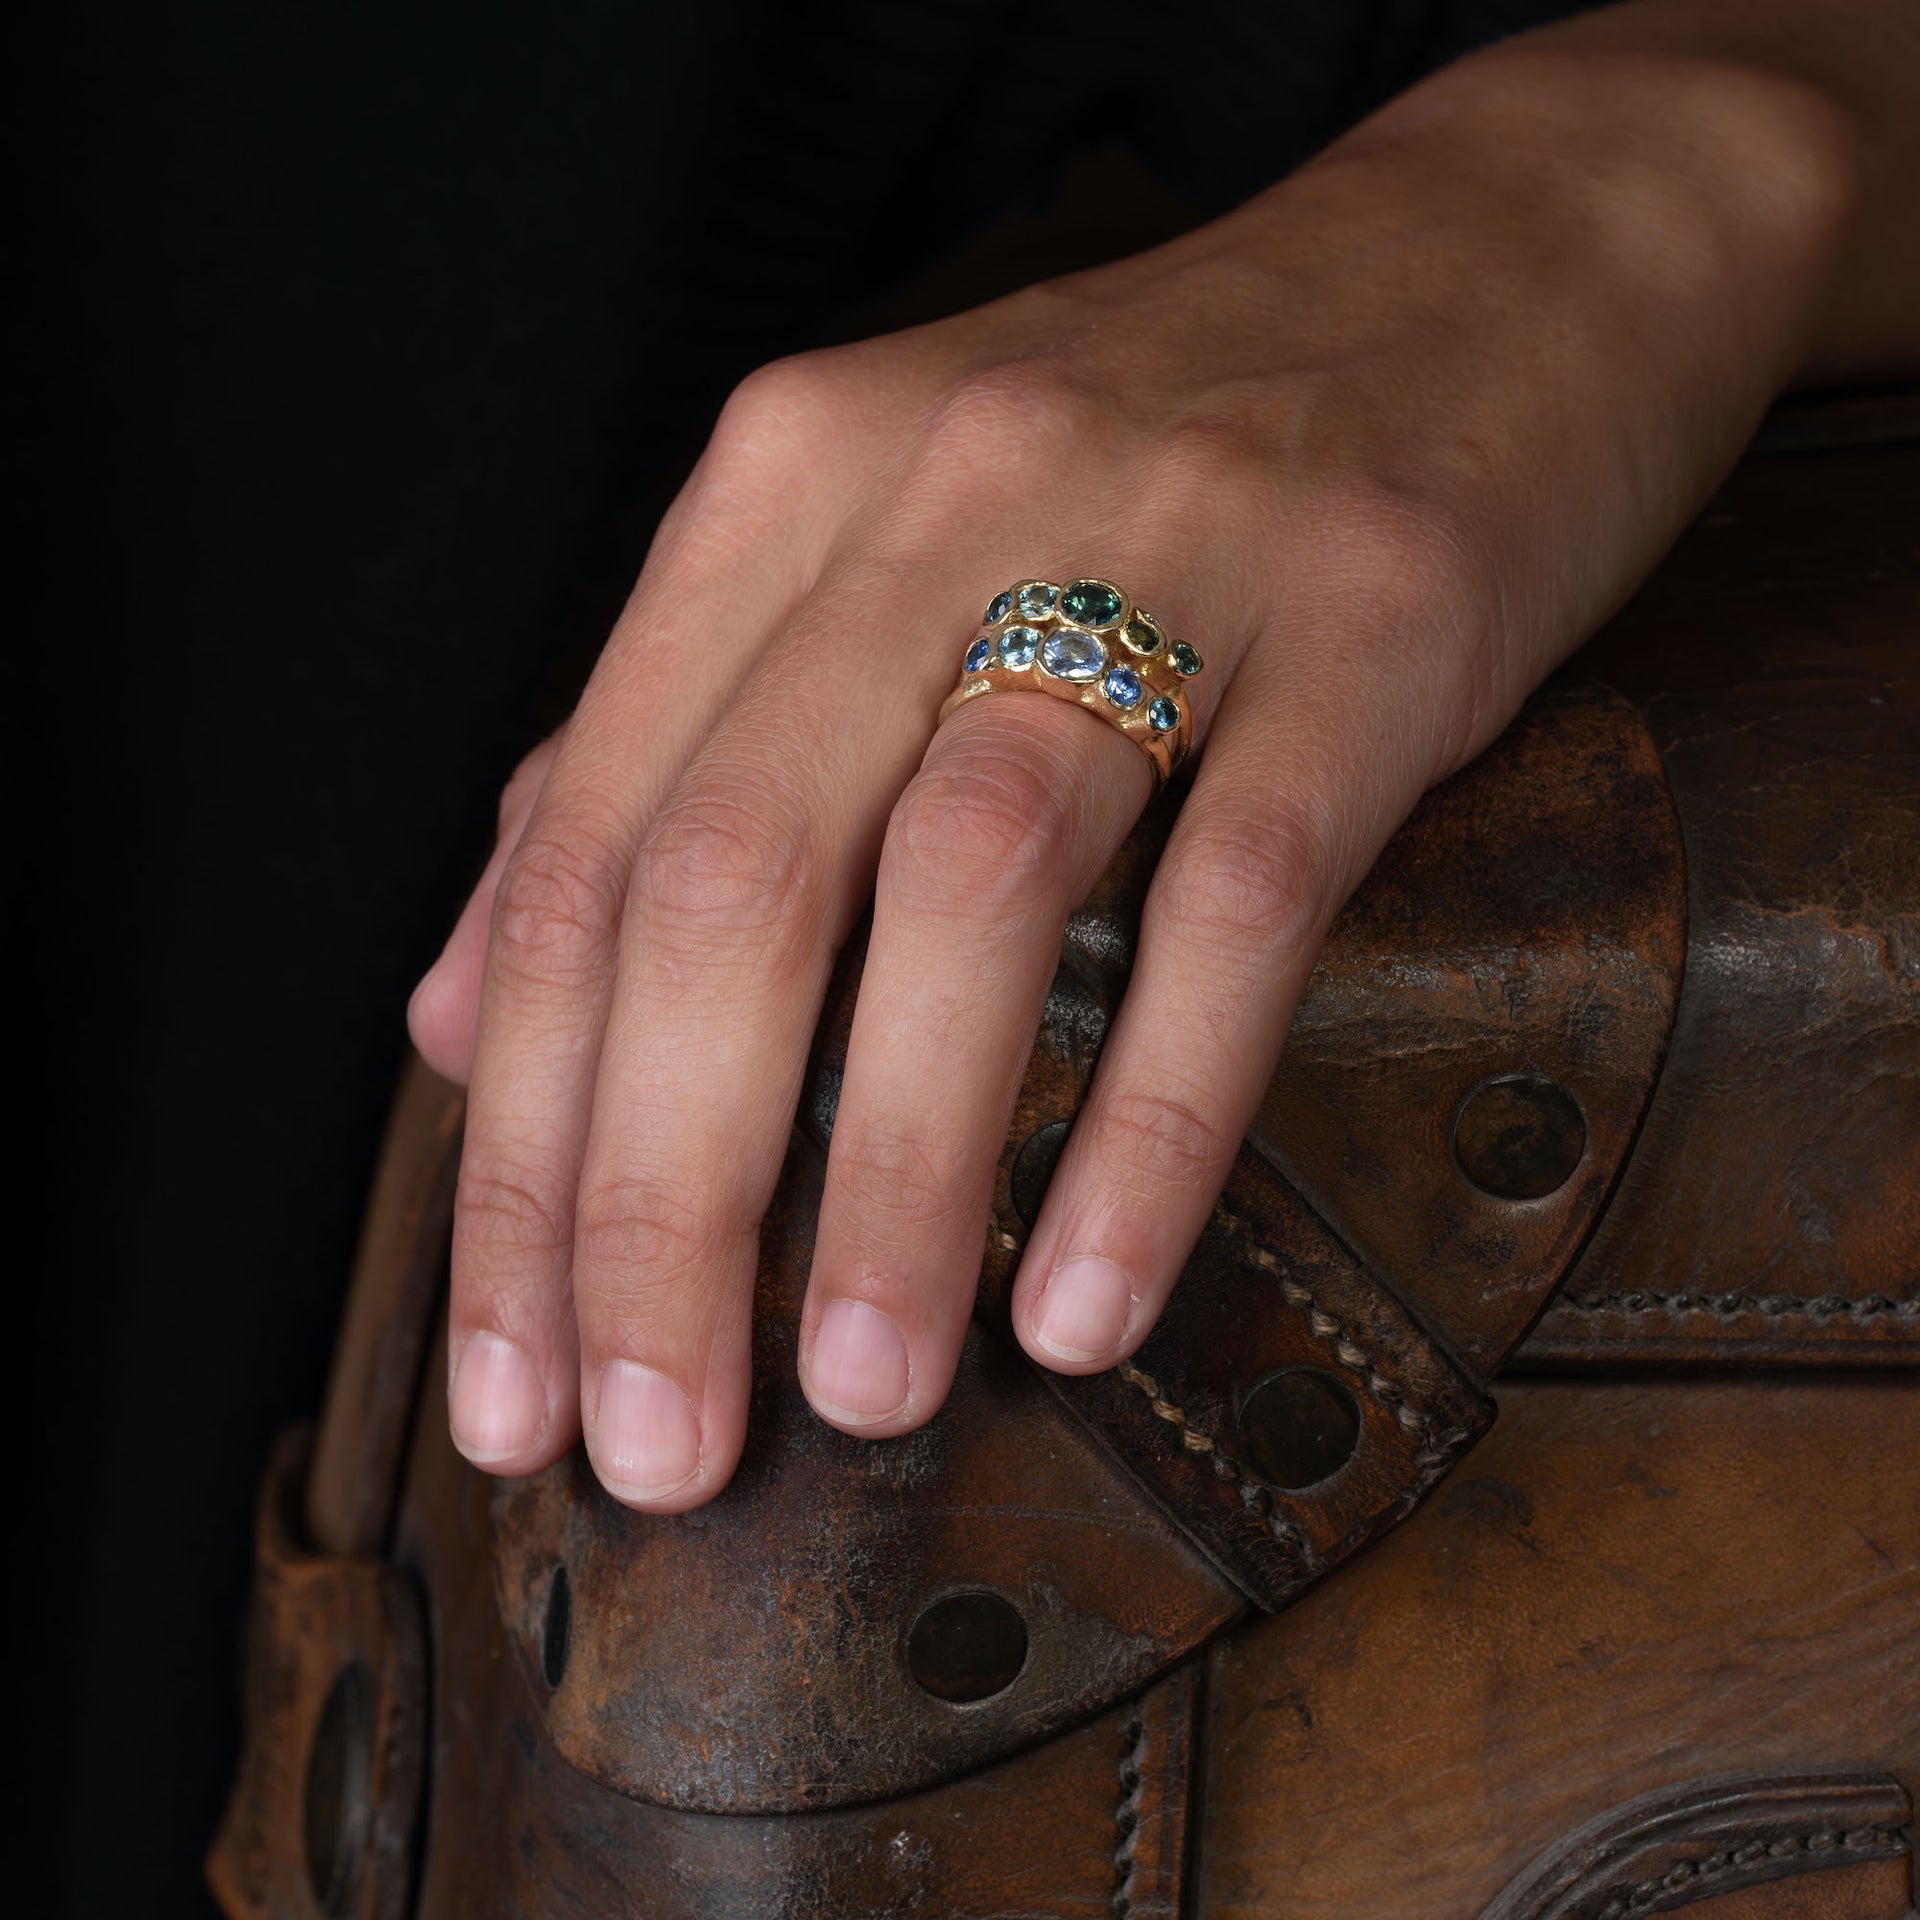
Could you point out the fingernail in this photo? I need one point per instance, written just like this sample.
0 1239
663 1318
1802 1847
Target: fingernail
1083 1312
646 1437
858 1370
496 1405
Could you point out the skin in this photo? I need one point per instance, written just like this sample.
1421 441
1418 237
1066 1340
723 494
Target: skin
1386 444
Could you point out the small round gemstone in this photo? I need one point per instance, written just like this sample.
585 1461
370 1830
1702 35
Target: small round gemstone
1142 633
998 608
1072 655
979 654
1038 598
1018 646
1185 660
1164 715
1093 603
1122 686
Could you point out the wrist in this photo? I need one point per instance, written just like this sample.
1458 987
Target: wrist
1689 187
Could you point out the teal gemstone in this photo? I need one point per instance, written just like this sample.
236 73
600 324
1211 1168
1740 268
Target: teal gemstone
1017 647
1185 660
1092 603
1164 715
998 608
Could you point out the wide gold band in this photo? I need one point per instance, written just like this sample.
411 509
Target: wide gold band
1088 643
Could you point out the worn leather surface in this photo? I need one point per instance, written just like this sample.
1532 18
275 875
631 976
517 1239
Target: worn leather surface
1529 919
1776 656
747 1656
1631 1584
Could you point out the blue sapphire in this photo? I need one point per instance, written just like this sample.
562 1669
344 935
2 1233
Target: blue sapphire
998 608
1122 686
979 654
1017 647
1164 715
1069 654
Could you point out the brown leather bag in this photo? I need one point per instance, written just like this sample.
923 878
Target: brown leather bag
1604 1105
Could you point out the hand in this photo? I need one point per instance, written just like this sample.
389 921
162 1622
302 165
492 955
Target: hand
1384 445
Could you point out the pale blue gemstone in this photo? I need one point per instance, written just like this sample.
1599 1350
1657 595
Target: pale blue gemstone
1018 646
998 608
1037 599
1164 715
1122 687
979 653
1072 655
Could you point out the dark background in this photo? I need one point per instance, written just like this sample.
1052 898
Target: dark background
354 350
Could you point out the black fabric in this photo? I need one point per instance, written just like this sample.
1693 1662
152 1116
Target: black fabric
351 335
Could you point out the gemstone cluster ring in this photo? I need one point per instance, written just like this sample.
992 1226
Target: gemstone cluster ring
1088 643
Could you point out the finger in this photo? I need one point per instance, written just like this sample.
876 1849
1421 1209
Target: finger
1019 805
726 568
445 1007
1297 794
746 885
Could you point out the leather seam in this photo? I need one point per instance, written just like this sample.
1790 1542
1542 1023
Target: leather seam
1731 1306
1126 1812
1437 1447
1646 1896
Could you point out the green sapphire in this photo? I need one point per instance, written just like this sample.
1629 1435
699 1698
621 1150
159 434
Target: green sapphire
1185 660
1092 603
1164 715
1142 633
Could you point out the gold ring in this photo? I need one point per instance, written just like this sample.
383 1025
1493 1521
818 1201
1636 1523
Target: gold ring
1088 643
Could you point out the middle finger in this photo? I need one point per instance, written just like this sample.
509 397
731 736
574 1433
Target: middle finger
1020 804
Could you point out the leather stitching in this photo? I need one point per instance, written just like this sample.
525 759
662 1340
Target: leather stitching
1437 1446
1126 1813
1772 1306
1655 1892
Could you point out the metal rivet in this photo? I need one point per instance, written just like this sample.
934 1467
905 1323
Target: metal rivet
556 1635
1297 1427
968 1646
1519 1138
339 1792
1033 1167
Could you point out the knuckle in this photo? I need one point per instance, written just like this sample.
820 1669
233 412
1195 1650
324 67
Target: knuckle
633 1236
892 1177
1160 1138
1246 877
988 828
512 1207
781 415
728 858
557 908
1016 411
